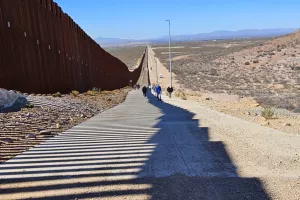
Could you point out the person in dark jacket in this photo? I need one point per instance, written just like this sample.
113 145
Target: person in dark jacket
170 90
144 89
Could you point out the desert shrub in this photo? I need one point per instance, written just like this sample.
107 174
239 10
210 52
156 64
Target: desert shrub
180 94
267 113
247 63
90 93
293 55
214 72
272 54
105 92
75 93
95 89
57 94
255 61
295 68
29 105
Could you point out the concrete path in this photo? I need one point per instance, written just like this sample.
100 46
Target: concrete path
141 149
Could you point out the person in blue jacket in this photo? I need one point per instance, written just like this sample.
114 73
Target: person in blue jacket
158 92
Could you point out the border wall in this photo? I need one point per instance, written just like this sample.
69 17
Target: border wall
42 50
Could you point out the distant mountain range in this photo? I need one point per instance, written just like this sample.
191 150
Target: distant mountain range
216 35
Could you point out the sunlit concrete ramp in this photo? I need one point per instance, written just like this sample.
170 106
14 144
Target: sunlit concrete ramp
141 149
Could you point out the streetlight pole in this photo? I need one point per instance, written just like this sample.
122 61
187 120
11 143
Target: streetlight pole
156 72
170 56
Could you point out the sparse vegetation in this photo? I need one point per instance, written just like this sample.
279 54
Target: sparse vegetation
57 94
29 105
91 93
180 94
270 82
75 93
267 113
295 68
95 89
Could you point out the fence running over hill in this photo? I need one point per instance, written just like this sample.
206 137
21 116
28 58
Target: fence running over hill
42 50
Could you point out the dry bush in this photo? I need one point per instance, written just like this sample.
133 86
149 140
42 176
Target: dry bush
295 68
214 72
180 94
105 92
267 113
247 63
90 93
95 89
255 61
57 94
75 93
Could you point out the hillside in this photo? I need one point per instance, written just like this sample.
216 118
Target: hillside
216 35
270 72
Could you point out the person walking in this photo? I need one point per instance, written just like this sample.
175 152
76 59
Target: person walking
144 89
158 92
170 90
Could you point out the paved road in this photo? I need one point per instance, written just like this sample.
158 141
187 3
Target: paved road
141 149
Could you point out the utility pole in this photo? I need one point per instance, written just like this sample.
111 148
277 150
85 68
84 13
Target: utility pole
156 72
170 56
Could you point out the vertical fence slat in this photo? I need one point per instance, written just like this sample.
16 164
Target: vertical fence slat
42 50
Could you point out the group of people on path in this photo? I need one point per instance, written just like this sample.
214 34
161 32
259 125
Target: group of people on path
157 89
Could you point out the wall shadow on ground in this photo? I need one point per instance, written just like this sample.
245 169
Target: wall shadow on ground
172 159
209 173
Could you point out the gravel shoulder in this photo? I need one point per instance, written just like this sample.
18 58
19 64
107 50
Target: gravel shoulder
271 156
257 152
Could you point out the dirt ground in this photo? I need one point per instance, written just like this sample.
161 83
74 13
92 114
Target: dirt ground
254 149
21 130
241 78
266 69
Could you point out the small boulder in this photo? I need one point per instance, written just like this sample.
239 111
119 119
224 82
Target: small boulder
255 105
7 140
263 119
46 132
11 101
286 124
265 123
30 136
248 113
57 126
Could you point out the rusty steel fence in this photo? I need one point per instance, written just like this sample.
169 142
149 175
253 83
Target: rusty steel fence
42 50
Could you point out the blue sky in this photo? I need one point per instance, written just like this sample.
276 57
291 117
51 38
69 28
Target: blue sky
138 19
